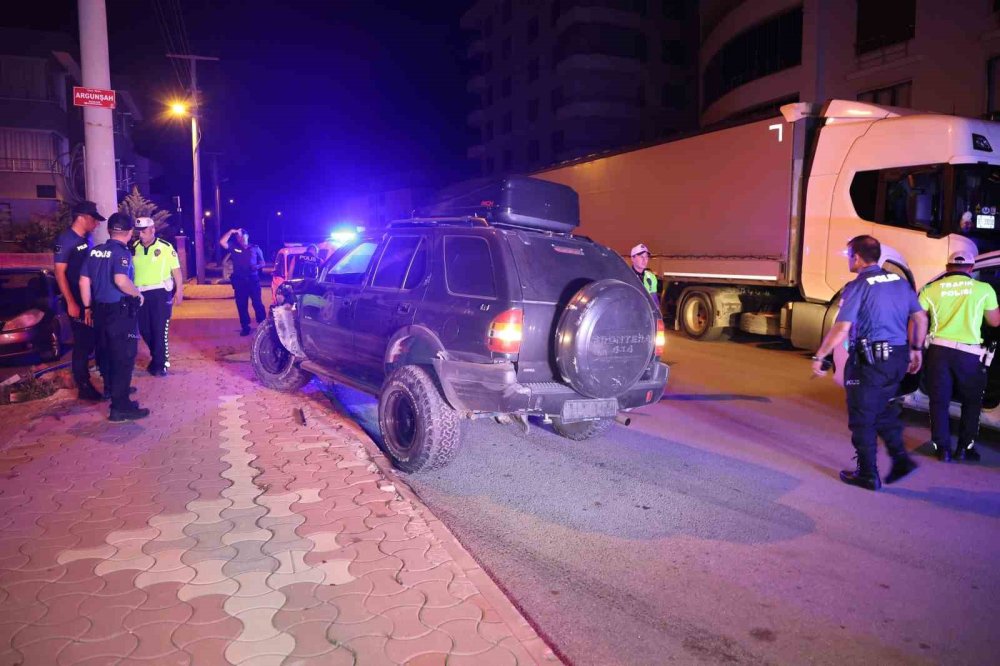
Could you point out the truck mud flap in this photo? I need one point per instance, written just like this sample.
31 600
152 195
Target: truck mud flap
284 325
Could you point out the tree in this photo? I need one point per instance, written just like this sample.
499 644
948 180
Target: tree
39 235
136 205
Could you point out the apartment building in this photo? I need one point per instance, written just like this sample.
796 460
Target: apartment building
553 80
926 54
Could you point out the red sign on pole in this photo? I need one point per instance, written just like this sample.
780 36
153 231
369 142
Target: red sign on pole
93 97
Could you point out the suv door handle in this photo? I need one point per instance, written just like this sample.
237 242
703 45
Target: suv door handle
404 308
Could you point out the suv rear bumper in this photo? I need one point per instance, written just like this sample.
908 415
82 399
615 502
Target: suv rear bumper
477 387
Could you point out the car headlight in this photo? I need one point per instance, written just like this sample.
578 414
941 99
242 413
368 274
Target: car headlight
26 319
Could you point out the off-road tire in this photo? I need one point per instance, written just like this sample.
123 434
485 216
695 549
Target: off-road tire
581 430
420 431
272 363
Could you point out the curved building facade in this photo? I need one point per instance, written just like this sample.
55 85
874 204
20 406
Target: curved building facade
755 55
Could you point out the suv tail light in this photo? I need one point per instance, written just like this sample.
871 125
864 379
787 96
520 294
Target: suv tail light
506 331
661 338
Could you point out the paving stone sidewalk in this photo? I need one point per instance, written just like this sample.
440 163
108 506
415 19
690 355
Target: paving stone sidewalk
224 530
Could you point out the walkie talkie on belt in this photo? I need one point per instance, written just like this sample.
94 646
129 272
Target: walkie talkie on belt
863 348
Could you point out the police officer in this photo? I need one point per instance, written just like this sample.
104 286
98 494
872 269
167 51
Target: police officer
640 260
874 312
307 263
71 250
247 261
157 275
108 292
956 358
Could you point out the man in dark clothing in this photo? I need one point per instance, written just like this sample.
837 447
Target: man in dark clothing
307 263
71 250
247 262
108 291
875 312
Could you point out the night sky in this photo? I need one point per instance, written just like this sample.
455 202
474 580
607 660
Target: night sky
310 101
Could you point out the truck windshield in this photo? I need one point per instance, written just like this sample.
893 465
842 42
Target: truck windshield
977 198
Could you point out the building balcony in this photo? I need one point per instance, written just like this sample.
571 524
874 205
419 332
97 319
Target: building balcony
24 165
476 48
477 84
475 119
596 62
598 109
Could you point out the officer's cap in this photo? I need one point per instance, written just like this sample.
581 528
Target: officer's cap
144 222
961 259
639 249
120 222
87 208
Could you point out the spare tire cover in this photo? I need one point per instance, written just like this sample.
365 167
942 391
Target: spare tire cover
605 338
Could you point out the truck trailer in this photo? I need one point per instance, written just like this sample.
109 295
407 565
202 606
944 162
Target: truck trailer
748 225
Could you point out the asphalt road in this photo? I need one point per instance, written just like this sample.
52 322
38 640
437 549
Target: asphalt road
715 530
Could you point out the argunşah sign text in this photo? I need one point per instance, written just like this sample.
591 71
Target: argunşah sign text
93 97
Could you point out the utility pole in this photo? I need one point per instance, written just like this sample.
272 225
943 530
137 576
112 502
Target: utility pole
99 137
199 222
217 218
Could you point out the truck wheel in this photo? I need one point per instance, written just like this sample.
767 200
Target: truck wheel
581 430
420 430
697 315
272 363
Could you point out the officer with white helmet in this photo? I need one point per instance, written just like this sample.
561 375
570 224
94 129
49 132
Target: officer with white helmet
157 275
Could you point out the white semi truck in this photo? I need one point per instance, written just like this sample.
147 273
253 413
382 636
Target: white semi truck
748 225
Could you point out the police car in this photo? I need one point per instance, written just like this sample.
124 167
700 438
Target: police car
987 270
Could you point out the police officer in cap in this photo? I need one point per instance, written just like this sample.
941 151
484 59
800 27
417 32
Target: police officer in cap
71 250
106 286
640 260
247 261
875 310
956 358
157 275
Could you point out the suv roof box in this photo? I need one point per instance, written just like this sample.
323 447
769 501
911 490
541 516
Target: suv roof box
517 201
531 203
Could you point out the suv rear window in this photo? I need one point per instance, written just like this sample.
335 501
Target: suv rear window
554 268
469 266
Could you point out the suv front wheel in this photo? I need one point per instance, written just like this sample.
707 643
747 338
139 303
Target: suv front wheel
419 429
272 363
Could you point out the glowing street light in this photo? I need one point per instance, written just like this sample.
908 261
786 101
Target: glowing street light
279 213
232 201
179 109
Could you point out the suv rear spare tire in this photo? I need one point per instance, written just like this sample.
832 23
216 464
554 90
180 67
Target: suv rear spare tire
273 364
419 429
605 338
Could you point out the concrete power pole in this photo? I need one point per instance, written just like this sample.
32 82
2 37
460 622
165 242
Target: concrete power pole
217 218
98 123
199 217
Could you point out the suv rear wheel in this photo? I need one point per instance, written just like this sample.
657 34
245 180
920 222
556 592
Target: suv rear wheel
581 430
420 430
272 363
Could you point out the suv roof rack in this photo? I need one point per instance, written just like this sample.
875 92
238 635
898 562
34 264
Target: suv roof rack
467 220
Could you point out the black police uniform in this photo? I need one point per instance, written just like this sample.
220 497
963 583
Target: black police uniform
114 316
878 304
72 250
246 284
306 265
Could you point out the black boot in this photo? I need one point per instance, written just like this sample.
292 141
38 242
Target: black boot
902 464
942 451
967 453
866 474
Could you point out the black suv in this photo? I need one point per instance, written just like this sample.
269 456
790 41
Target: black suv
502 313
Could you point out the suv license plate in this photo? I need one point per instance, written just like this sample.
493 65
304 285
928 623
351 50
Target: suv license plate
581 410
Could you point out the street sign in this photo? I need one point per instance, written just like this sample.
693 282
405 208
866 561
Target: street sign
93 97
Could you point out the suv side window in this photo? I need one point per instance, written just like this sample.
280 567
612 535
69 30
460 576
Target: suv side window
418 267
395 261
351 268
469 266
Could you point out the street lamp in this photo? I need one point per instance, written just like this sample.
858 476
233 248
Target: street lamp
180 109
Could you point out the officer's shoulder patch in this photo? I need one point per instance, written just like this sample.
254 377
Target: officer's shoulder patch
58 248
173 253
124 261
156 252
